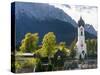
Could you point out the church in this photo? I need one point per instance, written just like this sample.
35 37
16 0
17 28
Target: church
81 50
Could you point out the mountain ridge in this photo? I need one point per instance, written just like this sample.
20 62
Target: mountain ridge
30 17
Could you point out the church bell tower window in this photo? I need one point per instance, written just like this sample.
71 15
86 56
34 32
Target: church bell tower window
81 33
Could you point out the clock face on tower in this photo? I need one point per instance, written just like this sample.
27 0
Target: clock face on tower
81 45
81 29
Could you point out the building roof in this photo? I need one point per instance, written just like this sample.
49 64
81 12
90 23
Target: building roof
25 54
81 22
59 53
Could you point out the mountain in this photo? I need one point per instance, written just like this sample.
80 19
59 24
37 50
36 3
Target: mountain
89 28
44 18
42 11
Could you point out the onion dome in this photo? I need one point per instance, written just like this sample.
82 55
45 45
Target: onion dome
81 22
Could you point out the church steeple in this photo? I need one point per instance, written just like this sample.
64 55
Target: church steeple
81 22
81 50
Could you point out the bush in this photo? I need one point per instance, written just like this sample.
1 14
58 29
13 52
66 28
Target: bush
18 66
31 62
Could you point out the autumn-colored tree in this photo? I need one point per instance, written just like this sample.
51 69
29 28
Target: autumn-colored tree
48 44
29 43
62 46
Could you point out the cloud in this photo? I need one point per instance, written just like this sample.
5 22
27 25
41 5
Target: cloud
89 13
87 9
68 6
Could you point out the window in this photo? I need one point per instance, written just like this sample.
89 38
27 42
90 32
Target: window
83 52
81 33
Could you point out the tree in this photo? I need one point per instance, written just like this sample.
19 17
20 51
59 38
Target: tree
63 48
29 43
41 52
91 47
48 44
62 45
72 48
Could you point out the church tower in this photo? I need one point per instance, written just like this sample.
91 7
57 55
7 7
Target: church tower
81 50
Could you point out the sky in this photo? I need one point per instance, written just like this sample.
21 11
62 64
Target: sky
88 13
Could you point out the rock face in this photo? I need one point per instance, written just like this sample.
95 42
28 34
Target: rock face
44 18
